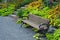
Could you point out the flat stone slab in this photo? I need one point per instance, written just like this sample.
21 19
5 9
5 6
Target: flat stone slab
9 30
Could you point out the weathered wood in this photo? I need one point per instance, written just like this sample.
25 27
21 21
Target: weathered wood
36 21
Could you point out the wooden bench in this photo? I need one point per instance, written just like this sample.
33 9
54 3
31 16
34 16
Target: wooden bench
36 22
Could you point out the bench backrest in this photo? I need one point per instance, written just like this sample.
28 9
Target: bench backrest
37 19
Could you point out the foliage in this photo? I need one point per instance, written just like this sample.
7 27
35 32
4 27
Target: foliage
54 36
0 0
46 12
35 4
22 3
7 11
36 36
18 21
43 13
22 12
35 30
54 17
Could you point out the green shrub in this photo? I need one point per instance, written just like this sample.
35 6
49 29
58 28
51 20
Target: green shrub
22 12
54 36
7 11
24 2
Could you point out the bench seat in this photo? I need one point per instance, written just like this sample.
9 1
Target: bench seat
36 22
31 23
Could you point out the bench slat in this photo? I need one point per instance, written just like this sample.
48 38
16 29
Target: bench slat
31 24
37 19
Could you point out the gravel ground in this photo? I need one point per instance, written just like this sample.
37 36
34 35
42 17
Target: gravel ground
9 30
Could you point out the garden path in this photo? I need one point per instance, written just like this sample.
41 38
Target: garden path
9 30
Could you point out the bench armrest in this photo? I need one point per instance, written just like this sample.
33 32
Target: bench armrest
43 24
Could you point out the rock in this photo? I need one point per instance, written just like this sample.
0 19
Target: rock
14 17
51 29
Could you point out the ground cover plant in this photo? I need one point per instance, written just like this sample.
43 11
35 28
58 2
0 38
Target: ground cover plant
54 36
7 11
22 3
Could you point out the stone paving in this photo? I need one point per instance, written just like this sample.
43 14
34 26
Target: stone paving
9 30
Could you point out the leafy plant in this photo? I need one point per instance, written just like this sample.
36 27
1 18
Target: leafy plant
54 36
22 12
18 21
36 36
7 11
22 3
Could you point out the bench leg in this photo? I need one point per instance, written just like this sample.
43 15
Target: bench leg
22 24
